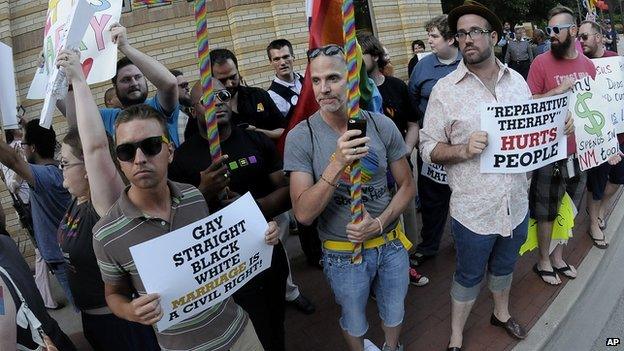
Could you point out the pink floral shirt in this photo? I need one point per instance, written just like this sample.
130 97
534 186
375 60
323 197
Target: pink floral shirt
484 203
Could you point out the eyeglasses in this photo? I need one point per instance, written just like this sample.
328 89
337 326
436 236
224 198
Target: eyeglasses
65 165
586 36
149 146
473 34
327 50
557 28
184 85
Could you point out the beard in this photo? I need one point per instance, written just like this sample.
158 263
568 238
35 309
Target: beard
559 49
482 56
128 101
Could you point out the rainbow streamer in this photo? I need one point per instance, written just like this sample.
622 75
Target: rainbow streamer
150 2
353 106
205 74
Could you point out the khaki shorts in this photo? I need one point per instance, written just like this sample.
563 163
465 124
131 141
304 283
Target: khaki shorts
248 340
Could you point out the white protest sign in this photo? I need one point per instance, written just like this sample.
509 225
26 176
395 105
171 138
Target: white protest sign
8 98
435 172
70 37
524 136
98 54
612 70
203 263
594 131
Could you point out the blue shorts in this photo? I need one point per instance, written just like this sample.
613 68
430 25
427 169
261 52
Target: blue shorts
475 252
597 177
388 265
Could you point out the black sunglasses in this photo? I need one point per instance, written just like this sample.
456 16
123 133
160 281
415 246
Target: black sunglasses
327 50
149 146
586 36
222 95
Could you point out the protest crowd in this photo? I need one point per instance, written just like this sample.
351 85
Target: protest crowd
142 167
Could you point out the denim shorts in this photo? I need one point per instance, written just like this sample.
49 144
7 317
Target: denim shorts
475 252
388 265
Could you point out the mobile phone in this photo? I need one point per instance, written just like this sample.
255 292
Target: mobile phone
357 124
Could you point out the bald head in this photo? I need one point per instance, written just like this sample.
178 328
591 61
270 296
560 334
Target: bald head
111 100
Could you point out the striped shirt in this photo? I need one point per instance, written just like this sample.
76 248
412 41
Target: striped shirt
215 329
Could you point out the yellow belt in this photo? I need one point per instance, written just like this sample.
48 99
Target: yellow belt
396 233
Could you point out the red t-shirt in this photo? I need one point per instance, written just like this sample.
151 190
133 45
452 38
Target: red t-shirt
609 53
547 73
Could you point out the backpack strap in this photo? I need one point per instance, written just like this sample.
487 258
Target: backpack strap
312 142
24 317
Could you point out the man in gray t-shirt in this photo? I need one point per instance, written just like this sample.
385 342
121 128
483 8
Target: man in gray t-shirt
318 155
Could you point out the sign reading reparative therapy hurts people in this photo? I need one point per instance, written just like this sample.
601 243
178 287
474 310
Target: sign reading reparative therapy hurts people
201 264
524 136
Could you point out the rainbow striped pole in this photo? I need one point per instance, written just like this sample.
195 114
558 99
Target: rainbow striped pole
205 73
353 105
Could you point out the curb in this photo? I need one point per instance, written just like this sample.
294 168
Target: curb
544 329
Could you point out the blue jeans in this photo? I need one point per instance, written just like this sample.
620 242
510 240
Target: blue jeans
388 265
475 252
59 269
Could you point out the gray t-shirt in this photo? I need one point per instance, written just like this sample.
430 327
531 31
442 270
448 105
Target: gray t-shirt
304 155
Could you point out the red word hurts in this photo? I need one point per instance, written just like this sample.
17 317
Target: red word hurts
522 141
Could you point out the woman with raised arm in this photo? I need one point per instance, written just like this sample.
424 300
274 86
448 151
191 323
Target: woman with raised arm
92 178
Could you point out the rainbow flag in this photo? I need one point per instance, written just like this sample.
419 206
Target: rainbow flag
150 2
326 28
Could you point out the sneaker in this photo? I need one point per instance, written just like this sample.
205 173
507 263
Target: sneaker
387 348
416 278
369 346
416 259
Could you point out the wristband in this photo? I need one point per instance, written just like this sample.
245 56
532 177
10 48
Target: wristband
328 182
380 226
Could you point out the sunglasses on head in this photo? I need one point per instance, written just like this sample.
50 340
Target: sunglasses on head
149 147
557 28
327 50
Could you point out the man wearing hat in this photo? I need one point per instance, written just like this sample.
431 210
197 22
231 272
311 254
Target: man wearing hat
488 211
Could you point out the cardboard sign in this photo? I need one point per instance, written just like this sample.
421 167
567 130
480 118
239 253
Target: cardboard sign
435 172
203 263
596 139
611 69
98 54
56 87
8 97
524 136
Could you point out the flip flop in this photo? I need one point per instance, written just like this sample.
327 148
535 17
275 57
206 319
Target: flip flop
602 224
595 241
543 274
563 270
